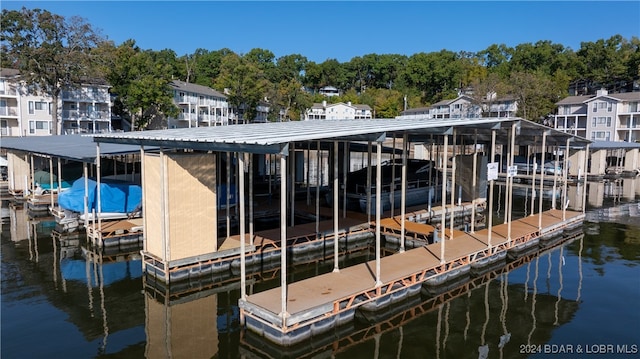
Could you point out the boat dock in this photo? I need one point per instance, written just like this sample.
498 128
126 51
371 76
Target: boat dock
188 173
319 303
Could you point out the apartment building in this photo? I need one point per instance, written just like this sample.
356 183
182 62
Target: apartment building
337 111
462 106
84 108
600 117
199 106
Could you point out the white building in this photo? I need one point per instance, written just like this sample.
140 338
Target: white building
460 107
85 108
329 91
337 111
199 106
601 117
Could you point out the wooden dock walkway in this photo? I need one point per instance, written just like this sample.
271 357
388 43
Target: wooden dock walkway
317 299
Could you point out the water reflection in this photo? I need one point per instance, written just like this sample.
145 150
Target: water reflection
93 302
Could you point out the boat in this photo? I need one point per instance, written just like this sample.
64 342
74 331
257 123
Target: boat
420 185
118 200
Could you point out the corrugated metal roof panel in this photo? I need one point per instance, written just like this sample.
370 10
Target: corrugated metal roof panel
278 134
74 147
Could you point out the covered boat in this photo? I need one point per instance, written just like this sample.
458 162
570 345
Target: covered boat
117 197
422 177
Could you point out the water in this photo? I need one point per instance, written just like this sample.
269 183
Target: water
60 299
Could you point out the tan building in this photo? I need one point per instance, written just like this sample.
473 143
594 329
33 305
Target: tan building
601 117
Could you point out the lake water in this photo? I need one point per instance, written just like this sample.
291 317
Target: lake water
60 299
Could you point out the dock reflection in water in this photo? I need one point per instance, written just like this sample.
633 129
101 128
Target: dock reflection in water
60 298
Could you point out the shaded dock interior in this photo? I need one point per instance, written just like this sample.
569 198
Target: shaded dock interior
185 230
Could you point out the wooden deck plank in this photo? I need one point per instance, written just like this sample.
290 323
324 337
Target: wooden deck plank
327 288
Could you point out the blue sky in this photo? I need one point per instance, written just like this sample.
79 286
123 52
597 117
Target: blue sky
341 30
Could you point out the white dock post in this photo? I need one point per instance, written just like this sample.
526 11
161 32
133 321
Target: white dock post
378 208
283 236
490 219
544 156
335 207
443 201
509 206
403 205
452 218
243 283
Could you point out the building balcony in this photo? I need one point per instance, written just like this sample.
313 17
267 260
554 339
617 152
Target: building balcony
10 92
9 111
82 96
72 115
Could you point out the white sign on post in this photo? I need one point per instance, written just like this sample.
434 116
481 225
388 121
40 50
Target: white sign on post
512 171
492 171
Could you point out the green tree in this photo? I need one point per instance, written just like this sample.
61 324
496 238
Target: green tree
50 51
536 94
244 83
496 59
604 61
141 79
436 74
289 98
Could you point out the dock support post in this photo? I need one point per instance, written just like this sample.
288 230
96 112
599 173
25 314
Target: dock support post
369 182
144 218
335 207
444 198
544 156
98 188
490 219
565 172
292 185
228 194
555 177
345 171
51 180
85 172
533 179
59 175
283 237
392 186
403 204
452 218
378 208
473 181
250 165
508 212
243 289
308 162
318 184
584 191
33 175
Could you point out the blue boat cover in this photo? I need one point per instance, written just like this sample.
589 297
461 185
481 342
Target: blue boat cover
116 196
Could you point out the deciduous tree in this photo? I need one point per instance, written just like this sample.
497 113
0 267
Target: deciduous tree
50 51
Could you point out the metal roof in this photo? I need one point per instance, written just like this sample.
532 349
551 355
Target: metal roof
613 145
73 147
274 137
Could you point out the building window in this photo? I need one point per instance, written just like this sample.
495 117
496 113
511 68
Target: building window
31 112
601 121
600 136
40 105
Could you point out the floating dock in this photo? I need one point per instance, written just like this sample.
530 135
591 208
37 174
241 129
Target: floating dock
318 304
180 193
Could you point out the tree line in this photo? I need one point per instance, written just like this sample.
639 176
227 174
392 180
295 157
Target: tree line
52 52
